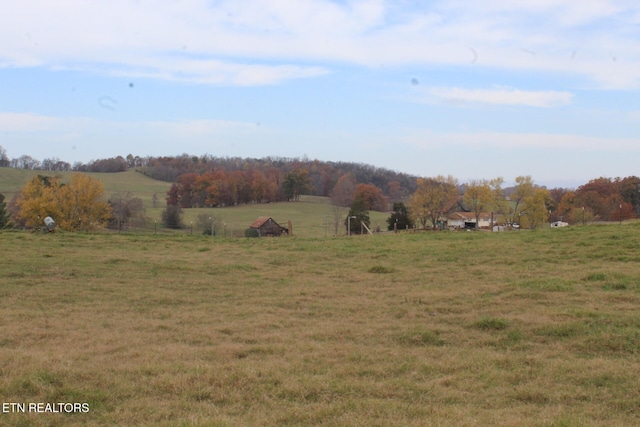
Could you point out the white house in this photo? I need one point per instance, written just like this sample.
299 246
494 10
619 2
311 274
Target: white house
468 220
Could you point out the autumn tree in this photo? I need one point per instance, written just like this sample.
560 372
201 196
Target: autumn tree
499 202
511 208
566 204
37 200
371 196
433 199
599 195
81 204
395 191
629 190
523 191
581 215
535 209
556 195
76 205
477 196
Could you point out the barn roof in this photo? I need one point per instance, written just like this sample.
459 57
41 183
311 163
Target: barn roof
260 222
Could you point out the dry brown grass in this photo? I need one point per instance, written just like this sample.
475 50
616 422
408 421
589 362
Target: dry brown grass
474 329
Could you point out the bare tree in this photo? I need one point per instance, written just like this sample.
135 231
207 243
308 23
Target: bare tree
341 199
126 210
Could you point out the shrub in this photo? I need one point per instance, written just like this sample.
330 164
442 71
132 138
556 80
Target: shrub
251 232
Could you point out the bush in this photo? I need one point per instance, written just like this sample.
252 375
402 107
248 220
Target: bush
251 232
172 217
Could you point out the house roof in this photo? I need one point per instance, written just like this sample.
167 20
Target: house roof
467 215
260 222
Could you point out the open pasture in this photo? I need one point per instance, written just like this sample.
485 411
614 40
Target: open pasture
523 328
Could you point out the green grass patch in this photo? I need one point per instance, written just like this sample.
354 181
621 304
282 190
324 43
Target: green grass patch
491 324
381 269
420 338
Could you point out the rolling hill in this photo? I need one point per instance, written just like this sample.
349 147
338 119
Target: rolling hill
311 216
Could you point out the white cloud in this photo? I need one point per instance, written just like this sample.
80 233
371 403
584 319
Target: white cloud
267 41
26 122
503 96
214 72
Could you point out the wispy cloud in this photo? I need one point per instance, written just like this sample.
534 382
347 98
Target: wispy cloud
503 96
26 122
189 128
268 41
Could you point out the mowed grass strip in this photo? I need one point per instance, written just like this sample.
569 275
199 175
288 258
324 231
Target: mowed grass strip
523 328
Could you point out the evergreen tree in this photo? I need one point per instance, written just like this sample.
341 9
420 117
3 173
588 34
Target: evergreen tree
399 219
361 214
4 214
172 217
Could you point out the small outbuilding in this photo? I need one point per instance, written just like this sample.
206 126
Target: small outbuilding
267 227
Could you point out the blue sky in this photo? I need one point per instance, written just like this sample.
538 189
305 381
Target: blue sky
547 88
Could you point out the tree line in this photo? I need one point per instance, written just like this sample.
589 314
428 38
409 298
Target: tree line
526 204
322 175
523 205
354 189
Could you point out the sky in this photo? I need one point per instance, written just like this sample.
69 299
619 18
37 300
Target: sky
472 89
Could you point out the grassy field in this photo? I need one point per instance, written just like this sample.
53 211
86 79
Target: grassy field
12 180
440 328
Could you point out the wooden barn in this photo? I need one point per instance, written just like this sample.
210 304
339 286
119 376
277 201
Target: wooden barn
267 227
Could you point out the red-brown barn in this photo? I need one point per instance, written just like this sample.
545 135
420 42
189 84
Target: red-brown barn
266 226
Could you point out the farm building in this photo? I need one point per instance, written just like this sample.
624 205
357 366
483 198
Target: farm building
468 220
266 226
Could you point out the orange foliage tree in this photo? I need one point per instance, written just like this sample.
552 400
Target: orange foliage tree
371 196
76 205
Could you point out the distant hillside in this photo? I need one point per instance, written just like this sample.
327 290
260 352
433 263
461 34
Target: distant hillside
323 174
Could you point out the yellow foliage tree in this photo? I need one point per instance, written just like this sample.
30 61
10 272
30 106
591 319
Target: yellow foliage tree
535 212
76 205
477 196
432 199
37 200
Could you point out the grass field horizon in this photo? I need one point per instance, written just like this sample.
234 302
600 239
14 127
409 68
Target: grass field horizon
448 328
